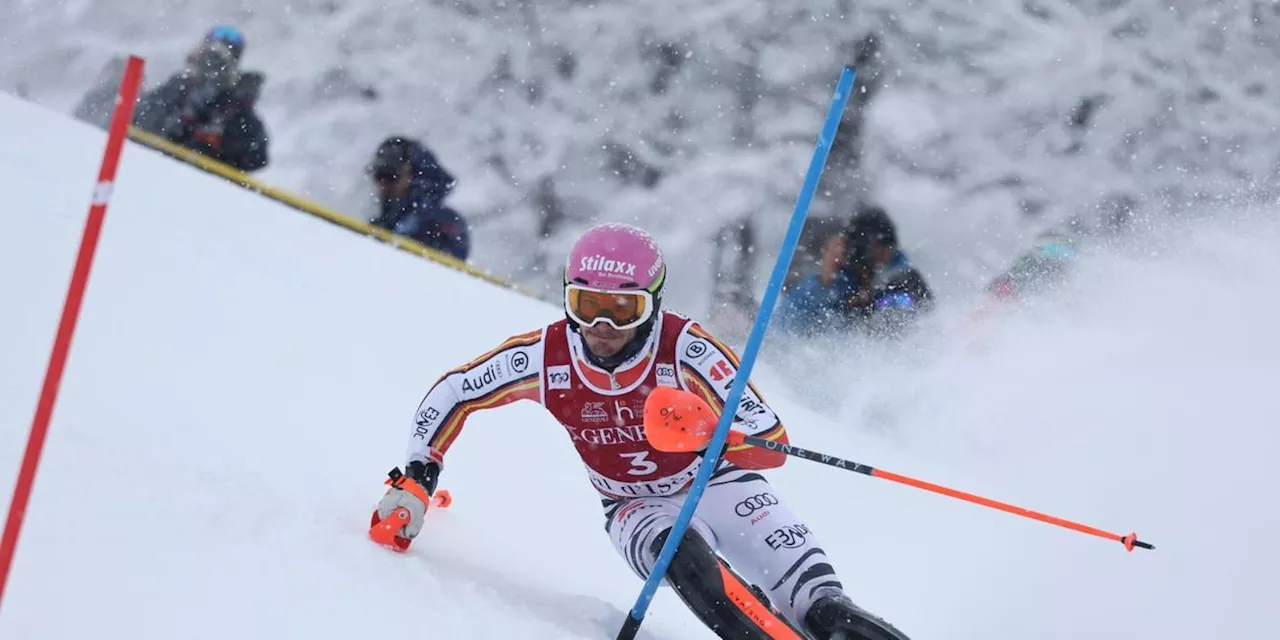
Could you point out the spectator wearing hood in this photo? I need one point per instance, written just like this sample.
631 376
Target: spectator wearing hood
411 188
889 292
209 105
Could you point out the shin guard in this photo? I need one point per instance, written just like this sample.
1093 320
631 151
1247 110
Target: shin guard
719 597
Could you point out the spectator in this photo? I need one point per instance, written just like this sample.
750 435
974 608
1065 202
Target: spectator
1037 269
411 188
816 303
888 291
209 105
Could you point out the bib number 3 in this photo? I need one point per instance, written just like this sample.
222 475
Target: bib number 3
639 465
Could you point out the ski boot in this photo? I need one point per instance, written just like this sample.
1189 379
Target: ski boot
836 617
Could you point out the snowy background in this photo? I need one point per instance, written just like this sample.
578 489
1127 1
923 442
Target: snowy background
232 403
987 120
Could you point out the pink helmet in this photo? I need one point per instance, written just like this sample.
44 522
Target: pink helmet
616 257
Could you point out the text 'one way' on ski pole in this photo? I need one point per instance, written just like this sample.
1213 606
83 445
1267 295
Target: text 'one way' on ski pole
680 421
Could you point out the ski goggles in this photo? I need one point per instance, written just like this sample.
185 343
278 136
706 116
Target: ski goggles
620 309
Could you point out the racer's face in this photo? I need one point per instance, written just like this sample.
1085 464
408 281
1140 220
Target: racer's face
604 341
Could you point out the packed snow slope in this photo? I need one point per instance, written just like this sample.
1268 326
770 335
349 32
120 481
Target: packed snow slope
243 376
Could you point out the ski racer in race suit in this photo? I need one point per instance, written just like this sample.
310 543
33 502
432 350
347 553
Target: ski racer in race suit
593 371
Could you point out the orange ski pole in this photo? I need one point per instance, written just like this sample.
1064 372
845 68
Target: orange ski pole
679 421
1130 541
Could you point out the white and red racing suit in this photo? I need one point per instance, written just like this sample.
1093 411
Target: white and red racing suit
739 515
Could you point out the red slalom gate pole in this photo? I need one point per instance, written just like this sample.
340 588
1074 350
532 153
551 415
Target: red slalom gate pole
130 83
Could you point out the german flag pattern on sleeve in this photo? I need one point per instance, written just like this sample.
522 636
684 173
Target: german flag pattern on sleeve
503 375
708 368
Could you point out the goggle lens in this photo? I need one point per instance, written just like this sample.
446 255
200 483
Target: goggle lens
622 309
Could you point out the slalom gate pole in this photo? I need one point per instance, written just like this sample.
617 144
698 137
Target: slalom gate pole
841 96
126 98
1130 541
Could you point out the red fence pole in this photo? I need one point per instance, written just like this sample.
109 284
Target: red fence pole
130 83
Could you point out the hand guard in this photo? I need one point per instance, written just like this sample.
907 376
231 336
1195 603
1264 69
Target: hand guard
399 516
677 421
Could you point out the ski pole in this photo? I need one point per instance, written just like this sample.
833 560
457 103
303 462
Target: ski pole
717 435
1130 541
679 421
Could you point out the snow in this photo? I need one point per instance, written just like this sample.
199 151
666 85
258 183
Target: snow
725 98
243 376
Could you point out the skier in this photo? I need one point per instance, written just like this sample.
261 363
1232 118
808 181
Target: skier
593 371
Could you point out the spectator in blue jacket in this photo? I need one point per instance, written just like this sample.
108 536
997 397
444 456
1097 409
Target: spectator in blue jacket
815 304
411 188
889 293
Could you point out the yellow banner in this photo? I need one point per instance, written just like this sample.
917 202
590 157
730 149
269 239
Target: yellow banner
242 179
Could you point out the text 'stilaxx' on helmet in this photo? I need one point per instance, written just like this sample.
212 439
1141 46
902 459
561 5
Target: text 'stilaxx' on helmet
614 274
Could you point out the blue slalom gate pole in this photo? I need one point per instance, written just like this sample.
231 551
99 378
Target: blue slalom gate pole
843 89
